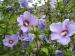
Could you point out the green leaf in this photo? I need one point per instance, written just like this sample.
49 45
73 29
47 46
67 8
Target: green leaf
45 50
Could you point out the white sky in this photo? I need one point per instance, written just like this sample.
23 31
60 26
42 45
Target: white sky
36 1
38 4
1 0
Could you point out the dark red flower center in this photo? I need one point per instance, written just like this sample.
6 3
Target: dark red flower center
64 32
26 23
11 41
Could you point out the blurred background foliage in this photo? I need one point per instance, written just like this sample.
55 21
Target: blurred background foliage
10 10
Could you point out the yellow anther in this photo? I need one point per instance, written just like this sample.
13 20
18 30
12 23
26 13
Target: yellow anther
64 33
26 23
10 41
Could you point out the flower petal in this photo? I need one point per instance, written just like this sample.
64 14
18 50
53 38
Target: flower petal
65 23
41 24
64 40
30 1
34 20
71 28
27 15
24 29
23 3
20 20
55 36
5 42
56 27
43 38
29 37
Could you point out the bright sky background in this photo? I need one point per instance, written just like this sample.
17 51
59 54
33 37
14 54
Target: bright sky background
38 4
1 0
35 1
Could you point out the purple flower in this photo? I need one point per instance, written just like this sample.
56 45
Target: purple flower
43 38
24 3
43 17
41 23
62 31
28 37
26 20
52 43
10 40
59 53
